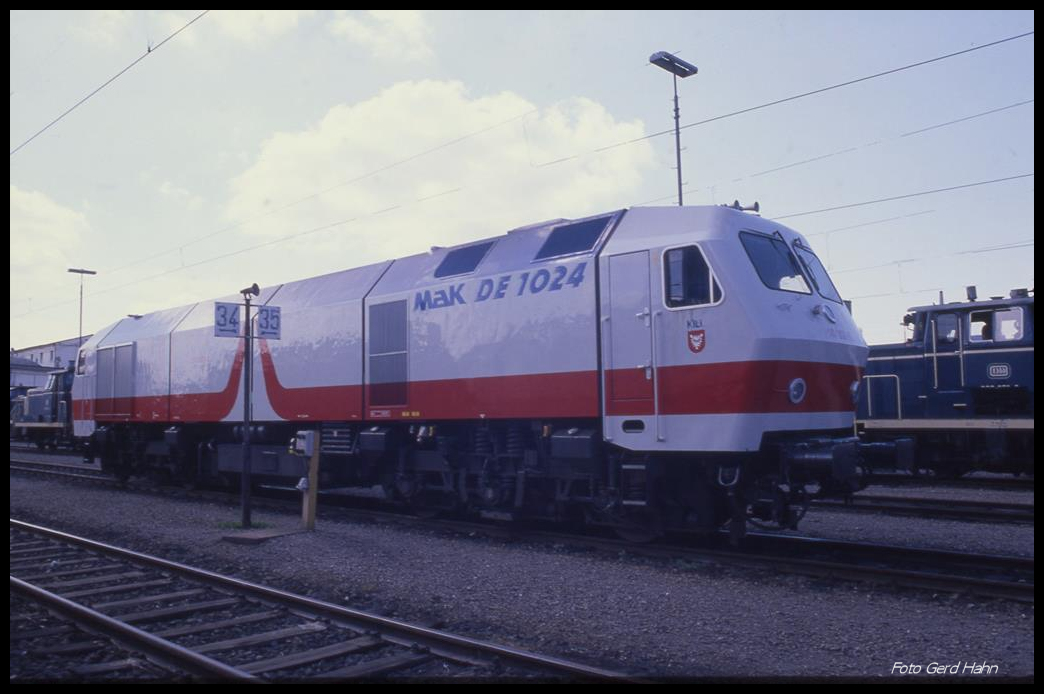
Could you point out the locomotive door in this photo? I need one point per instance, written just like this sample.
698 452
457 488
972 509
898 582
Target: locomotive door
944 362
628 361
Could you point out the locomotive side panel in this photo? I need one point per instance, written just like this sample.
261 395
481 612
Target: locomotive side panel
513 337
314 371
205 371
146 341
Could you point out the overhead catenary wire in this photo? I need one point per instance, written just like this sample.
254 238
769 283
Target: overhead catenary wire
1024 243
150 50
467 136
313 195
344 222
606 148
847 150
794 97
902 197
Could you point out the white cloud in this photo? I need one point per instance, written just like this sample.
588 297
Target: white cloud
400 35
495 178
42 231
45 237
118 28
181 196
106 28
251 26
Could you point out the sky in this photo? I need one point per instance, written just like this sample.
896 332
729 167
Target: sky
270 146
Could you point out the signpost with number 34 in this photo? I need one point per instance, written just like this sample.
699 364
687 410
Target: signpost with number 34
227 321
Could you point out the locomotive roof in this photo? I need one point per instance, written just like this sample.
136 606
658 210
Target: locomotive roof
519 248
524 247
974 305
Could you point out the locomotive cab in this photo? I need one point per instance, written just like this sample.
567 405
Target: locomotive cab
729 356
45 414
962 385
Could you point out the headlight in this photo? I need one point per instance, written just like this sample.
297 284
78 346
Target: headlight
797 390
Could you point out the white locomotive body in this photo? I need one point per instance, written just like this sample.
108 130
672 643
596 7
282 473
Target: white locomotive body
647 368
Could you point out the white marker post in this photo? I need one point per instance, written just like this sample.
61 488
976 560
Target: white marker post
306 443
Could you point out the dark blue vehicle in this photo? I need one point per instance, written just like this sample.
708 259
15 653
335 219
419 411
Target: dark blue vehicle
44 415
961 386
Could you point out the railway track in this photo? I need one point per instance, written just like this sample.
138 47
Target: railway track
985 575
1009 482
963 573
954 509
58 468
216 627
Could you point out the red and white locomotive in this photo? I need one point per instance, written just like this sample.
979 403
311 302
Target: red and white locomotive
650 368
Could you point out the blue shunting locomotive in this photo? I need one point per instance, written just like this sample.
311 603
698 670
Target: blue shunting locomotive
961 386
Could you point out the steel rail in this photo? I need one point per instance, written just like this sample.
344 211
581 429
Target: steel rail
131 637
440 643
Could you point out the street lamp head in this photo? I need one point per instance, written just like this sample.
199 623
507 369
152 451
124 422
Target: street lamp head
81 271
673 64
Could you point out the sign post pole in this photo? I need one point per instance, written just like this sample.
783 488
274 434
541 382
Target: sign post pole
226 324
244 490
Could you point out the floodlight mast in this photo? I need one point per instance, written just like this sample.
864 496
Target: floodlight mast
678 68
79 340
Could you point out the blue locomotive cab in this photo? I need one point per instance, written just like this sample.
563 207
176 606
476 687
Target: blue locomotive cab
44 415
961 385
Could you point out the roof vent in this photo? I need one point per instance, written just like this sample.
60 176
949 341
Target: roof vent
972 293
1021 293
737 206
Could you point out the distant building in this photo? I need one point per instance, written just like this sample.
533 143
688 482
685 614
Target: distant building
52 354
28 373
30 365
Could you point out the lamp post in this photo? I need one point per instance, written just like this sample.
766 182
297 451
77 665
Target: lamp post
81 272
679 68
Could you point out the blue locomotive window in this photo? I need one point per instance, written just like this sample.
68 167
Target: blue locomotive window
946 327
1008 325
463 260
776 265
570 239
816 272
687 279
1003 325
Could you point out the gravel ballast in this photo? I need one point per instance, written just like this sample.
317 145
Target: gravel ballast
655 617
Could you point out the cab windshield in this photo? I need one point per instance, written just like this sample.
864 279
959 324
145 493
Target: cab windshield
775 264
816 272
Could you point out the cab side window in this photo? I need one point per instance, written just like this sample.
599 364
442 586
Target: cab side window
1008 325
980 326
688 279
1003 325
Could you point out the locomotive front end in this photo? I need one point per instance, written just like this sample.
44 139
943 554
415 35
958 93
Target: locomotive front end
748 362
